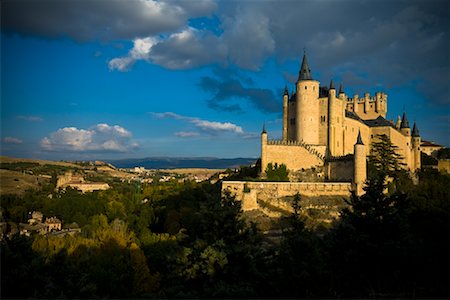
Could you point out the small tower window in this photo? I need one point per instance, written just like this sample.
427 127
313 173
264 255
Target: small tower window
306 87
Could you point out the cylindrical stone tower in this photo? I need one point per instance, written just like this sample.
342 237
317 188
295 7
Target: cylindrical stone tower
307 109
360 168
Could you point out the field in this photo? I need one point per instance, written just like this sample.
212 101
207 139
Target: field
13 182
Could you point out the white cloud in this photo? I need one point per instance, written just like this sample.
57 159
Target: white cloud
12 140
211 127
217 126
30 118
140 51
100 137
186 134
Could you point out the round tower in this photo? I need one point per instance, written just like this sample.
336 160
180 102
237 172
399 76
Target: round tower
285 114
331 140
359 166
307 110
415 143
263 150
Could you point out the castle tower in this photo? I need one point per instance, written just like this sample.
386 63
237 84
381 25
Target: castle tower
307 109
263 150
359 166
341 92
285 114
415 143
404 125
331 140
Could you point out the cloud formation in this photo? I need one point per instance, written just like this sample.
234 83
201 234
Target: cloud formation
100 137
353 41
11 140
229 89
209 127
85 20
186 134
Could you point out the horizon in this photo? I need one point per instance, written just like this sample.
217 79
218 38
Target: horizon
199 79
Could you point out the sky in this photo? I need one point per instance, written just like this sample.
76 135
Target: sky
85 80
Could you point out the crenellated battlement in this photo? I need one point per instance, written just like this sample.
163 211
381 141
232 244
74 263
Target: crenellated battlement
377 97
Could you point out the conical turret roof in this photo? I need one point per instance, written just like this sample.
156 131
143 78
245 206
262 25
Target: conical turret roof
359 139
286 92
341 89
405 123
332 84
305 72
415 131
264 128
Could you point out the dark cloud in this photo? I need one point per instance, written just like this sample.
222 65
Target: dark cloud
227 87
85 20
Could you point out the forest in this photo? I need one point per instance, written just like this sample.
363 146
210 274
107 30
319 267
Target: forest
186 240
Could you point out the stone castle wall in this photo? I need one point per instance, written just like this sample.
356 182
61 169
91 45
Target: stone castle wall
295 157
341 169
253 193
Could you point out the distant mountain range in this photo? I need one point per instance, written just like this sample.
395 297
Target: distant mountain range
182 162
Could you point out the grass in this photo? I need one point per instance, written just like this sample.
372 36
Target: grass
13 182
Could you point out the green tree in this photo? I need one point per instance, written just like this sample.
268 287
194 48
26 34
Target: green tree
385 162
277 172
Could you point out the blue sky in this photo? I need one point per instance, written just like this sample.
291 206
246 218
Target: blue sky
110 79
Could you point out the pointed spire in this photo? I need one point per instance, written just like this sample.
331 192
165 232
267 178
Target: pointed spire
415 131
359 139
264 128
286 92
341 89
332 84
405 123
305 72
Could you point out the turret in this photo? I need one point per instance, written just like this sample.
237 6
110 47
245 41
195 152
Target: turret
331 119
366 102
398 123
307 106
341 92
263 150
285 114
404 125
356 103
415 144
359 166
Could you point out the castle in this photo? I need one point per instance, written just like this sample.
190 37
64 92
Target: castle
324 128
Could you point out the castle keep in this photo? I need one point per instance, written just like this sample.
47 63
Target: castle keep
325 128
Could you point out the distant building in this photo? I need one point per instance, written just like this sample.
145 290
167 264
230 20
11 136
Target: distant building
53 224
430 148
36 217
76 181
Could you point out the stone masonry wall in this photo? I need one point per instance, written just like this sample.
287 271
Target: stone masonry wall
250 193
294 157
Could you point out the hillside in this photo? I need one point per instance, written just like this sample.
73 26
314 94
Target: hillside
182 162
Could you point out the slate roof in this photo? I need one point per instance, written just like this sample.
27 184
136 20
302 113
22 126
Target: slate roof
378 122
415 131
305 72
